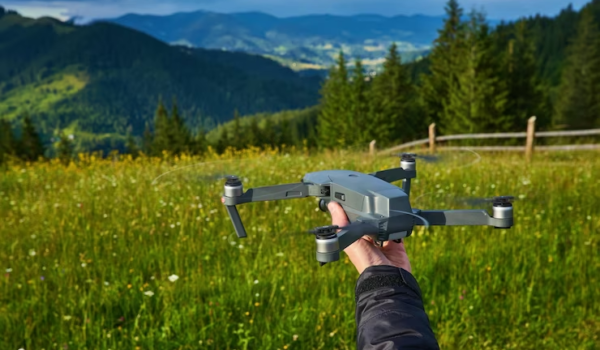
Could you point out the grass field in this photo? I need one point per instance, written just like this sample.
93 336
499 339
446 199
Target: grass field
89 255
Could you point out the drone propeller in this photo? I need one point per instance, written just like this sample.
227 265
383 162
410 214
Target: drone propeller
412 156
499 201
224 169
215 177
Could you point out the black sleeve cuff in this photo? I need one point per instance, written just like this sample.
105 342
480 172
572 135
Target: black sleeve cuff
382 276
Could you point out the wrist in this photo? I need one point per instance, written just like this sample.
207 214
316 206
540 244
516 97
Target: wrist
385 276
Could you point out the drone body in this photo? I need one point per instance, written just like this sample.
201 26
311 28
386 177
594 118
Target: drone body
374 206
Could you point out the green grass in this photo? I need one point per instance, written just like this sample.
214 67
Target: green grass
101 235
42 96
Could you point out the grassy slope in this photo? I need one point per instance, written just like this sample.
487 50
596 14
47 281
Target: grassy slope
125 73
41 96
102 235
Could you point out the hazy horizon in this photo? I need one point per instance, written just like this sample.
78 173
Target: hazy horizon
88 10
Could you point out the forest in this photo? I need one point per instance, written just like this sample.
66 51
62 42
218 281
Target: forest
474 80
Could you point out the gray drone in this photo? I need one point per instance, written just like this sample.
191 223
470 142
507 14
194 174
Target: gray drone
374 206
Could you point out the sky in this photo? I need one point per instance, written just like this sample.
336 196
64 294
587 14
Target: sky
94 9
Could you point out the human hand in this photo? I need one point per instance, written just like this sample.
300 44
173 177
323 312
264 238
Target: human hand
364 253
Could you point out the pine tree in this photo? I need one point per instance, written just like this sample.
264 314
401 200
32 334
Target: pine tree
269 134
390 99
147 141
578 105
223 142
285 137
200 142
477 100
179 135
7 141
335 106
237 133
525 96
131 146
65 149
357 125
30 145
253 134
162 131
444 63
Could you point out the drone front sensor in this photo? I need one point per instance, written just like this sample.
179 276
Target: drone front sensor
374 206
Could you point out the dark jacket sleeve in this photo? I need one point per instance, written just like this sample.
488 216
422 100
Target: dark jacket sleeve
389 311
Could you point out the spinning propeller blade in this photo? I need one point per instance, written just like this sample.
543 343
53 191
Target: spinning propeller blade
481 201
426 158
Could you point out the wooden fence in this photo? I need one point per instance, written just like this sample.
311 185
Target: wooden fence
530 136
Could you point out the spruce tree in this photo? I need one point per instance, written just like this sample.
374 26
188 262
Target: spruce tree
525 96
477 99
253 134
357 125
162 131
131 146
7 141
180 136
335 106
237 132
578 105
444 61
269 134
223 142
390 99
147 141
200 142
30 145
65 149
285 137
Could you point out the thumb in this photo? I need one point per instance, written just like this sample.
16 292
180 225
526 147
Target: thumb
338 215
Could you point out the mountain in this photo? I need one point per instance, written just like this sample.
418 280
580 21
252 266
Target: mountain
102 80
304 42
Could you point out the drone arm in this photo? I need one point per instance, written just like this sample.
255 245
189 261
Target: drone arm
273 193
463 218
349 236
395 174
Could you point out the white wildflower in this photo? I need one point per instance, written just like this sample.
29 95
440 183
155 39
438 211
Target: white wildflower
255 281
149 293
67 317
9 270
32 252
173 278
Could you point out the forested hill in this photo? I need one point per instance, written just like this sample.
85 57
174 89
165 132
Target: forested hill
105 79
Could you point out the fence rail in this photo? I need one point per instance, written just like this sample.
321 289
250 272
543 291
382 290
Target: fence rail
528 148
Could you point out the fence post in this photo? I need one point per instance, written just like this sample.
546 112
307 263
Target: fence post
372 148
432 138
530 139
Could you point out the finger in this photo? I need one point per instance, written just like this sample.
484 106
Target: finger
338 215
394 247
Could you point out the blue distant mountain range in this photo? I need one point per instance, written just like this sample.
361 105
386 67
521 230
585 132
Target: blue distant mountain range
304 42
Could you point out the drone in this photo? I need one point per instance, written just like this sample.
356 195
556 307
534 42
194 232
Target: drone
374 206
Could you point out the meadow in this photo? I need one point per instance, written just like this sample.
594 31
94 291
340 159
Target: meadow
105 254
